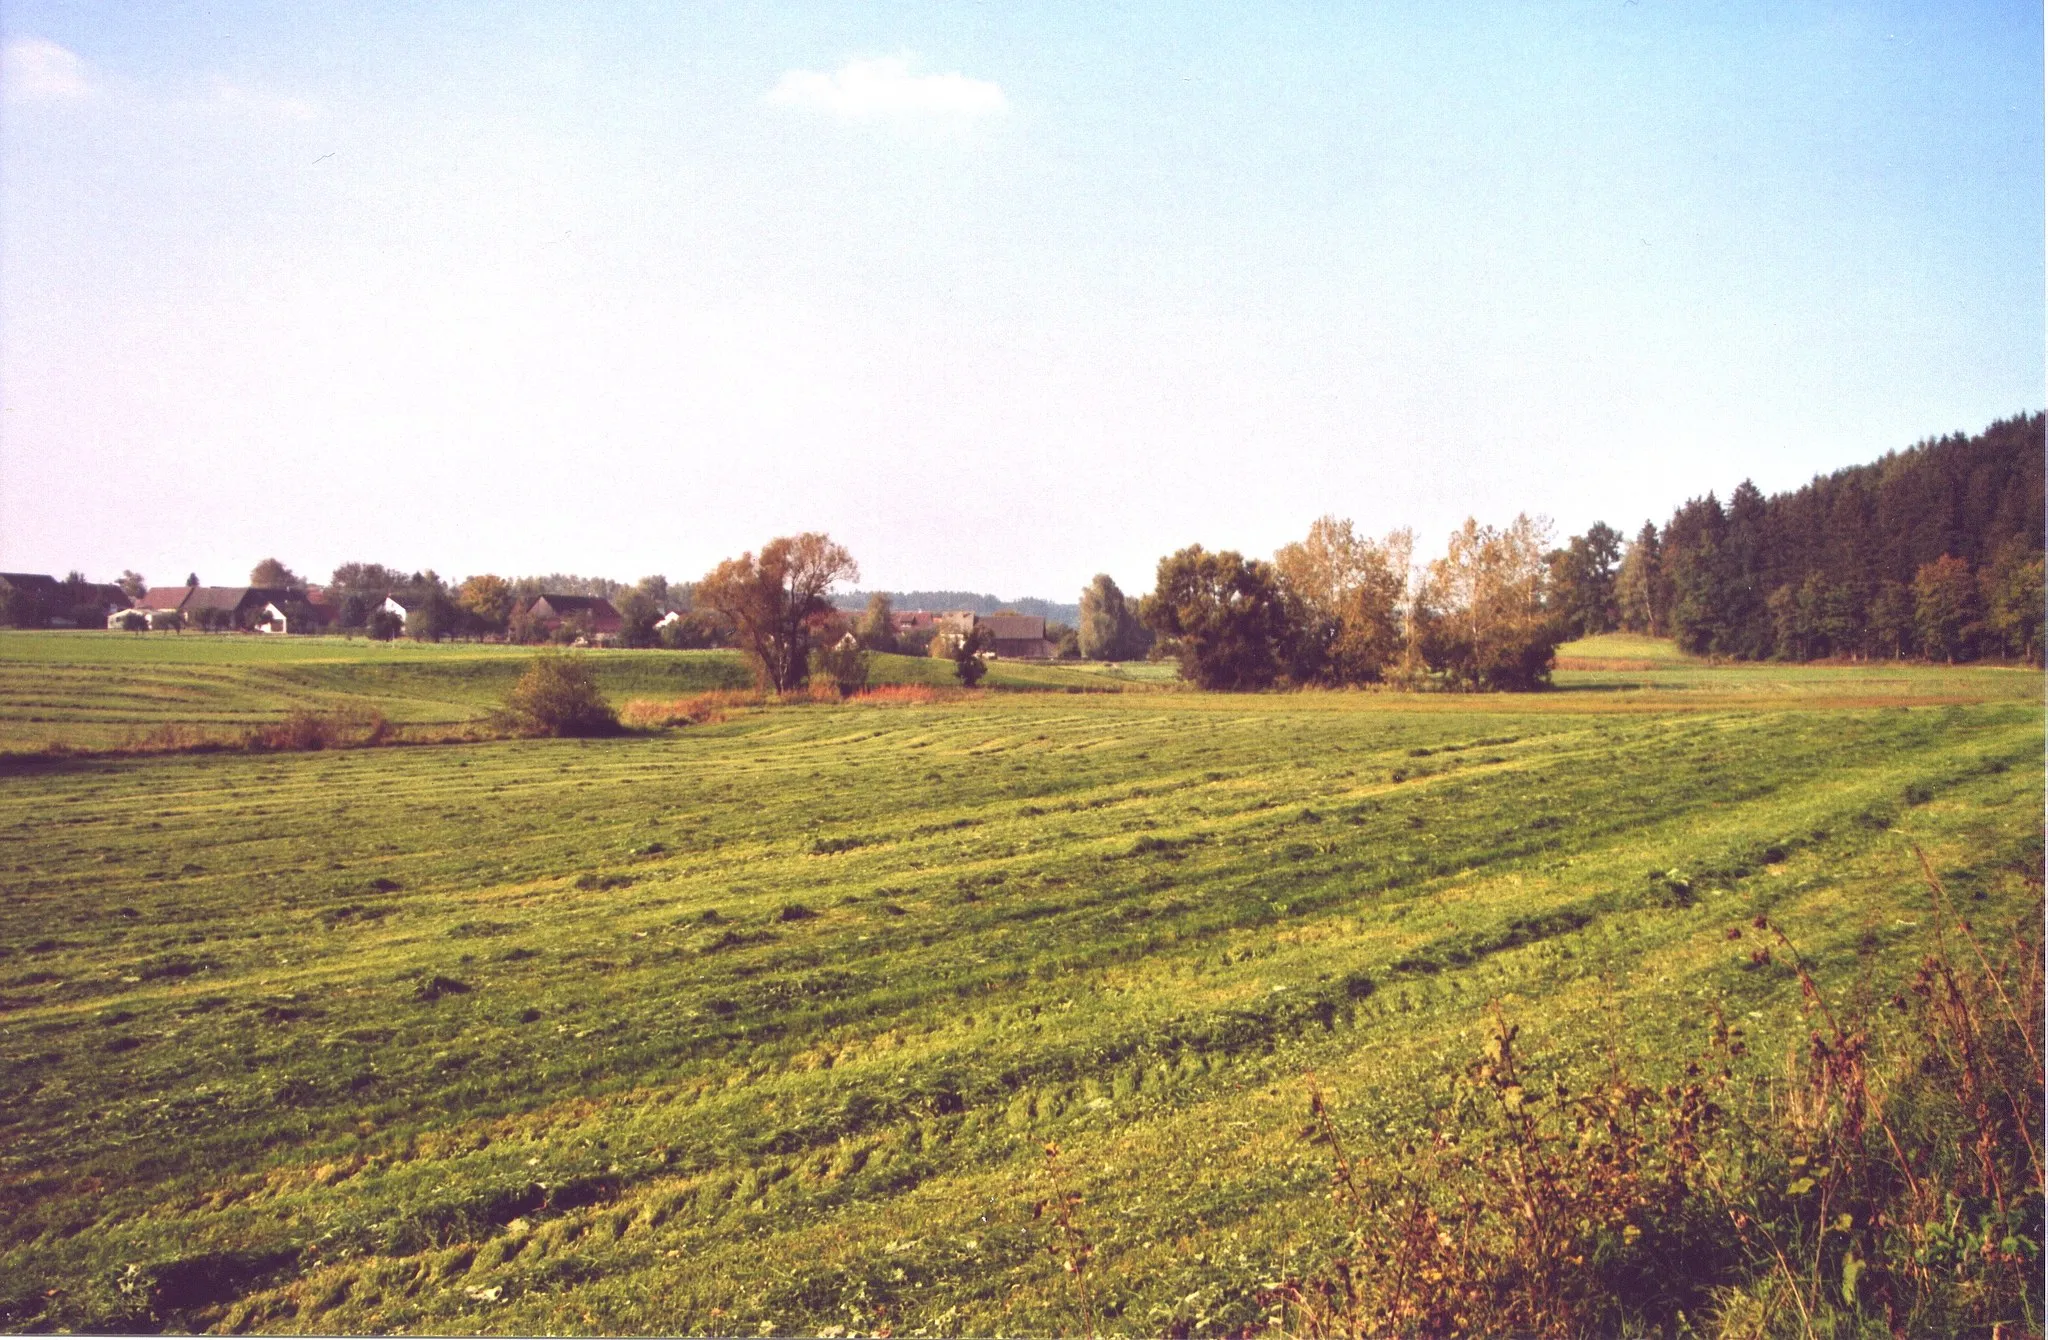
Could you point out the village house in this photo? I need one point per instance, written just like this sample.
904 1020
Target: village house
37 586
293 616
157 606
37 598
231 606
552 611
1014 637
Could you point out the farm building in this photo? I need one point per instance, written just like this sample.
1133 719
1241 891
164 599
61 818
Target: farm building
28 598
1018 637
40 585
231 606
551 611
86 604
293 616
157 606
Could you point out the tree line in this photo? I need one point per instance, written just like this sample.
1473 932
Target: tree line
1337 608
1935 552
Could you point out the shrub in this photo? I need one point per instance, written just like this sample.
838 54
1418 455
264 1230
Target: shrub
558 695
968 667
843 665
382 625
697 630
1890 1182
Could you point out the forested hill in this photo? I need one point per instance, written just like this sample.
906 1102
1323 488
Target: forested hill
962 600
1935 550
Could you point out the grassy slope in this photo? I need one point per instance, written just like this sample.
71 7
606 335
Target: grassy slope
1124 924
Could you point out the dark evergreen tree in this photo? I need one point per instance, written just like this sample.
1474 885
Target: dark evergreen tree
1830 569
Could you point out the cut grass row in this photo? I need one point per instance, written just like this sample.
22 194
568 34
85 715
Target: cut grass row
766 1022
97 690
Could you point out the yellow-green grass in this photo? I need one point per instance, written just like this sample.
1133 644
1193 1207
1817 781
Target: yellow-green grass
96 689
1630 650
766 1023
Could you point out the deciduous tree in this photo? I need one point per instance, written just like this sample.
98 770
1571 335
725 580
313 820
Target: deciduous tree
1109 629
1480 616
270 572
877 629
1344 595
371 579
487 598
2011 591
431 618
1582 580
1227 616
1945 608
1642 590
772 601
639 611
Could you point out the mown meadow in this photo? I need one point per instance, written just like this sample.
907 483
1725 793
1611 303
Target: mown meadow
90 690
765 1025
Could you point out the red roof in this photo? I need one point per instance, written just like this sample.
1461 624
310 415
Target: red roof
165 598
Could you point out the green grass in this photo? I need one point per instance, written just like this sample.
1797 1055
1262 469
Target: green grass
97 689
1631 647
766 1023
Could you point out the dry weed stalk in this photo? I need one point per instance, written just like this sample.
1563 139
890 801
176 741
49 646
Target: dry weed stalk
1891 1177
1070 1247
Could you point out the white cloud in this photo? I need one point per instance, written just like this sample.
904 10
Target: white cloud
885 89
35 70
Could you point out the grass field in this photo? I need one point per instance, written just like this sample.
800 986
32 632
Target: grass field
764 1025
100 690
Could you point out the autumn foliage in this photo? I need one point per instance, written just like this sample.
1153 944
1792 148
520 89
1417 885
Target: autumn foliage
775 600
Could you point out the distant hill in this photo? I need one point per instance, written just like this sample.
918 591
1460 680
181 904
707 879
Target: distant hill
963 600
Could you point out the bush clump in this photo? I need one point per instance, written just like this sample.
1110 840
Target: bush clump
558 695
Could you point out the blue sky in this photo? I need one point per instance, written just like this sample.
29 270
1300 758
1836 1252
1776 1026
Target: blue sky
1000 296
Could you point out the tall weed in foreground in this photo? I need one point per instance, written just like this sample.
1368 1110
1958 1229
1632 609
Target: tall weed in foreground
1067 1245
1889 1181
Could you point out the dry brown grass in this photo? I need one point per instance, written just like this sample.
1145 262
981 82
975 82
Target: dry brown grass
697 710
718 704
908 695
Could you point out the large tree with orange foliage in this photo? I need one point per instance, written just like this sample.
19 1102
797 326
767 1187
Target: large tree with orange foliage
773 602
